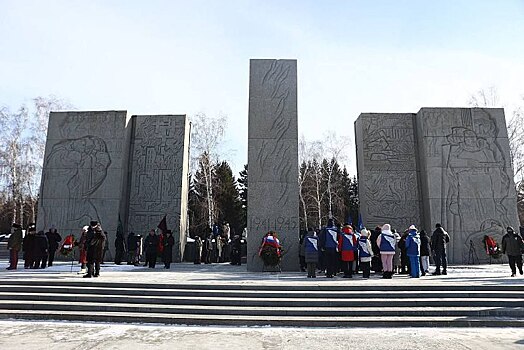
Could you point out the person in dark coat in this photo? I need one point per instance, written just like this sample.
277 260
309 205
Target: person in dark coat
151 247
301 252
120 248
310 245
29 246
513 246
425 249
328 243
167 253
14 244
439 242
95 242
198 250
376 263
41 250
207 247
54 239
131 248
236 250
405 266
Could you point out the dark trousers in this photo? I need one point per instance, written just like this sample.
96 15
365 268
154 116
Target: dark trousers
514 262
13 258
302 262
347 267
365 266
331 261
151 259
119 254
93 268
441 260
311 269
51 257
236 257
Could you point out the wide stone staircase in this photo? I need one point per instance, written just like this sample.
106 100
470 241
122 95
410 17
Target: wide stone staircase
286 304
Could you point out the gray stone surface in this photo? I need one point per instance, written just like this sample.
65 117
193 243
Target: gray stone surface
159 176
464 179
273 159
83 172
387 170
468 178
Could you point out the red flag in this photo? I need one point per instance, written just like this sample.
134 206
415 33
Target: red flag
163 224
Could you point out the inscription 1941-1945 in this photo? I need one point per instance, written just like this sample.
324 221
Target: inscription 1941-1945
274 223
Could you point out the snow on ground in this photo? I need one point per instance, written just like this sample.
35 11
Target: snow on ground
73 335
225 273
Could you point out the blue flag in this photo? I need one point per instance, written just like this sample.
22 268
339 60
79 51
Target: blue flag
360 223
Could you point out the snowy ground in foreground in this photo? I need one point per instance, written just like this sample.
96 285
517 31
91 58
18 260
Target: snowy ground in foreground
71 335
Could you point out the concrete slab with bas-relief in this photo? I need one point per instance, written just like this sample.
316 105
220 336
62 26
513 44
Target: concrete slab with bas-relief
83 172
387 170
467 177
464 177
273 159
158 171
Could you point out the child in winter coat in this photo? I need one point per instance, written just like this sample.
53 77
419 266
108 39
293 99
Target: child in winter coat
365 252
413 251
347 245
387 243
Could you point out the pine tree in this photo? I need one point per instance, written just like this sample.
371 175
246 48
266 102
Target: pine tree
228 201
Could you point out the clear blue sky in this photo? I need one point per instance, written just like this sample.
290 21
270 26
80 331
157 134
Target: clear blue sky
193 56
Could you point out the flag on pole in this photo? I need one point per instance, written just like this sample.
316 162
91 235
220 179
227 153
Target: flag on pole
360 223
163 224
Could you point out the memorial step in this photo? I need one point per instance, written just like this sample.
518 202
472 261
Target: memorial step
258 304
284 293
288 321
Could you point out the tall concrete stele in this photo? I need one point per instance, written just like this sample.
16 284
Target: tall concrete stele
106 166
273 159
441 165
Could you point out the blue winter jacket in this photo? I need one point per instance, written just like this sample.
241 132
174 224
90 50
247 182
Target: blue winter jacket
413 243
328 238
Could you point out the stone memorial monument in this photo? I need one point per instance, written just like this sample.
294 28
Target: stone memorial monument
159 164
84 166
273 159
442 165
105 166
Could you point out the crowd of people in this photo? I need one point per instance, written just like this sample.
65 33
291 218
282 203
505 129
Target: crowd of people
331 250
383 250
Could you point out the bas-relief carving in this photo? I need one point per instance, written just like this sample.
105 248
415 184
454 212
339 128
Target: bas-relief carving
468 183
273 159
475 182
157 170
388 142
81 168
388 171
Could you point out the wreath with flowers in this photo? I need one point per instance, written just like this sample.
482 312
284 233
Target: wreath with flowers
270 250
66 249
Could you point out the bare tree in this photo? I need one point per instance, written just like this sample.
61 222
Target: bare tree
516 143
22 143
206 136
486 97
334 148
